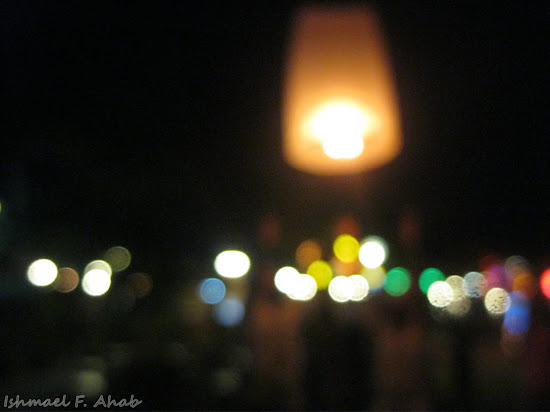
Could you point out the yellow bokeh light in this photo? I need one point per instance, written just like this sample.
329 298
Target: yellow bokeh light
42 272
341 127
304 288
96 282
285 278
118 257
308 252
346 248
67 280
232 264
373 252
375 277
100 265
321 272
497 301
440 294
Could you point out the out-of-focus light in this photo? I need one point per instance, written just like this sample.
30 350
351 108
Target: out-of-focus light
308 252
516 265
376 277
440 294
398 281
343 268
229 312
212 291
373 252
459 307
340 126
100 265
67 280
497 301
429 276
475 284
96 282
321 272
526 284
90 382
226 381
457 285
545 283
517 318
42 272
304 288
496 277
141 283
285 277
360 288
340 111
232 264
340 289
346 248
118 257
346 225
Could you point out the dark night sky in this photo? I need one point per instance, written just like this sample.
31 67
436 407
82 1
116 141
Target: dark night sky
156 125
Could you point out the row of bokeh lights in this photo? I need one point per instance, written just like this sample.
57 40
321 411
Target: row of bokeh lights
355 271
96 277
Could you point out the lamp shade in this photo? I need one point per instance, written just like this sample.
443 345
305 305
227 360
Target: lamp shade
340 110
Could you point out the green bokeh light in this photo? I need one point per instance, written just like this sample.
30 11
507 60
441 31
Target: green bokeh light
398 282
429 276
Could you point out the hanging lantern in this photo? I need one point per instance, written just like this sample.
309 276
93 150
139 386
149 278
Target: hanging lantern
340 111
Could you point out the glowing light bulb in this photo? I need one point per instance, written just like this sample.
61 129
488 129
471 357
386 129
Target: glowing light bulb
341 127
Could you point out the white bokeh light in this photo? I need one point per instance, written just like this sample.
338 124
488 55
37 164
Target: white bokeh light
42 272
373 252
340 289
360 287
98 264
304 288
96 282
440 294
285 278
497 301
232 264
341 127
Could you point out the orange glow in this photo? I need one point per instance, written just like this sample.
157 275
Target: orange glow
308 252
340 106
545 283
67 280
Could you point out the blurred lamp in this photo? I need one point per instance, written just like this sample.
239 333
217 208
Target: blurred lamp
340 111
